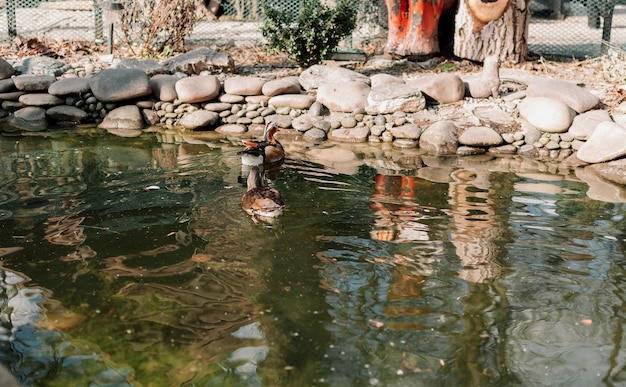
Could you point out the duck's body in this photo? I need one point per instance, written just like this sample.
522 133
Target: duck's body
267 151
261 201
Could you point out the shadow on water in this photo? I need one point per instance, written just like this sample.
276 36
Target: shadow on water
130 261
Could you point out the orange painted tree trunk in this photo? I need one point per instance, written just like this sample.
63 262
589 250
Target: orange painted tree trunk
414 27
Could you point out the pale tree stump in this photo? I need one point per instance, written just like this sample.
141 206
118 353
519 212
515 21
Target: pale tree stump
492 28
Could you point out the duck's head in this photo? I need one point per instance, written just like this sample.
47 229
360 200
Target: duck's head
270 129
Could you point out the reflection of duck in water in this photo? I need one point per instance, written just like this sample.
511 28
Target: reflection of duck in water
267 151
261 201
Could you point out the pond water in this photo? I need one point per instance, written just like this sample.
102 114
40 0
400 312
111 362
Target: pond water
130 262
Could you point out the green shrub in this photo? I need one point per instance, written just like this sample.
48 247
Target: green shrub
314 34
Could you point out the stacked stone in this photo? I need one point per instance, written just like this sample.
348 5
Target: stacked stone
439 113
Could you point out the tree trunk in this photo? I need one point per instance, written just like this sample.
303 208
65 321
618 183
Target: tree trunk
484 28
413 27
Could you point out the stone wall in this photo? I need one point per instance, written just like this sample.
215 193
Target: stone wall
441 113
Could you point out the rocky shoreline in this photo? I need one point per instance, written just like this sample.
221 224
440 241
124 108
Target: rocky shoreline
495 111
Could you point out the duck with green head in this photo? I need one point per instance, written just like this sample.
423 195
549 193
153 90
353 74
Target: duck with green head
267 151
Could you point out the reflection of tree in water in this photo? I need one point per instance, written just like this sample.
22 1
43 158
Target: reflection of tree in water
372 262
476 229
479 231
404 304
402 207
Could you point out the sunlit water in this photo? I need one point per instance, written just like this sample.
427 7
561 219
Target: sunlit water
130 261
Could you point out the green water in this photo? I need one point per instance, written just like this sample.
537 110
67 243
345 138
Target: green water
130 262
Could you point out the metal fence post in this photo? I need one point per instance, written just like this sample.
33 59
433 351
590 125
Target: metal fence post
97 14
11 19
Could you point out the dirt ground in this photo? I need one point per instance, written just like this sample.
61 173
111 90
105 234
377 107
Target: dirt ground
606 73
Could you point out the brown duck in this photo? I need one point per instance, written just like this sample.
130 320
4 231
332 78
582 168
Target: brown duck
260 201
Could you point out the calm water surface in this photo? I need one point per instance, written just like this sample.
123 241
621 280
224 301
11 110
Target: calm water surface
386 269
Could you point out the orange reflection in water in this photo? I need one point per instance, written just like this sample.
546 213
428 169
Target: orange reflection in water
397 216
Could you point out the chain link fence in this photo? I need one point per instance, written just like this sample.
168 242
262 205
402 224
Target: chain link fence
577 28
569 28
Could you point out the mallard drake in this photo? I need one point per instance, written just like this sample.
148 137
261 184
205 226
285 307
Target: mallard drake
267 151
261 201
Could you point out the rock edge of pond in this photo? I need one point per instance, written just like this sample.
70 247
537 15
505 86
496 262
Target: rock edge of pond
494 111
